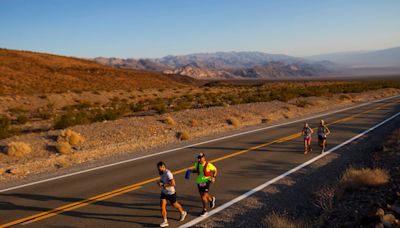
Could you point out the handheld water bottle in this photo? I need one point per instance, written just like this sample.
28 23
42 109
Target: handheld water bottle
187 174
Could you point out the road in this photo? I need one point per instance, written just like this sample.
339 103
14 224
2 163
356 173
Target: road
126 195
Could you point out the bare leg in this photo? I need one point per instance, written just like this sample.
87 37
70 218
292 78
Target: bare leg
305 147
204 200
178 206
164 209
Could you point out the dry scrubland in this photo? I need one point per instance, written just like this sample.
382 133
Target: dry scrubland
134 130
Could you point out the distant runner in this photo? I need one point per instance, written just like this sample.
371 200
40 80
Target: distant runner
167 185
207 173
323 131
307 132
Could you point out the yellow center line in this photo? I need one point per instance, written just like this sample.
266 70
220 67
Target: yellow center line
126 189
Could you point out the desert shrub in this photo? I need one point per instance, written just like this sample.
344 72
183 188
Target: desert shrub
324 197
70 119
183 105
365 177
5 123
233 121
63 147
72 137
183 135
44 115
193 123
18 149
345 97
169 120
159 106
17 110
22 119
265 120
275 220
136 107
303 103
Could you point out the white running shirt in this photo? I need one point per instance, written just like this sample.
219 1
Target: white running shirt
165 178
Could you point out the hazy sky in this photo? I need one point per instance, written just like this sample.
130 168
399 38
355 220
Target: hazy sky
155 28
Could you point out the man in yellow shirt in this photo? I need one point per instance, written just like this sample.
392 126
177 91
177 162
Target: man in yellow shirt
207 173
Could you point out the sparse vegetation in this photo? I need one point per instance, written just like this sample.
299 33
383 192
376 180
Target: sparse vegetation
63 147
22 119
275 220
18 149
303 103
265 120
193 123
159 106
169 120
183 135
72 137
5 123
325 196
233 121
365 177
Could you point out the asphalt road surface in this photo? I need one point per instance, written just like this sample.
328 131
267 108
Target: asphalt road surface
126 195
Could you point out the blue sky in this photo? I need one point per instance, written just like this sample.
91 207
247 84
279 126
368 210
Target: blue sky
155 28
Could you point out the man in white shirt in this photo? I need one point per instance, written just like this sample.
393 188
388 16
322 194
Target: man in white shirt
167 185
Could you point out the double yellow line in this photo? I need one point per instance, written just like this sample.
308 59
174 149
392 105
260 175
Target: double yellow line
107 195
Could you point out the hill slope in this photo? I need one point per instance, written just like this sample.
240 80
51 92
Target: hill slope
23 72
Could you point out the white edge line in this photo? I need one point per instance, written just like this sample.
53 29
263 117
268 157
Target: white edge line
191 145
259 188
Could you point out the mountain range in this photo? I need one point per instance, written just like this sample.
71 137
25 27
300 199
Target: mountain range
228 65
242 65
363 59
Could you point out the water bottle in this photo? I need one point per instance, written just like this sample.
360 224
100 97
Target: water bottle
187 174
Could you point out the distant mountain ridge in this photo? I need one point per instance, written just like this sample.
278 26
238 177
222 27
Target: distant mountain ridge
389 57
227 65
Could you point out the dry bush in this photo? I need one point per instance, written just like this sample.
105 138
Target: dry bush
275 220
265 120
63 147
303 103
345 97
18 149
72 137
233 121
183 135
193 123
169 120
63 161
324 197
355 178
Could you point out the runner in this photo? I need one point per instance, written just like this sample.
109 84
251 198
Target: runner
307 132
167 185
207 173
323 131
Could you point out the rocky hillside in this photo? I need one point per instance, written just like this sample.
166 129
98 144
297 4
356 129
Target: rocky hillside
228 65
23 72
